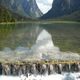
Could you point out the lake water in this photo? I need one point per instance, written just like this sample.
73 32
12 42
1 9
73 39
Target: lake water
65 35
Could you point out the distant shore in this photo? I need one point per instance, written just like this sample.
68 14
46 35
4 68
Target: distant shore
41 22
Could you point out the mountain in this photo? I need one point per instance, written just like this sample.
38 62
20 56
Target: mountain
61 8
25 8
75 16
8 16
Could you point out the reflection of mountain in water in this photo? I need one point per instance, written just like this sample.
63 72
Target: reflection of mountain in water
44 46
65 36
45 49
42 49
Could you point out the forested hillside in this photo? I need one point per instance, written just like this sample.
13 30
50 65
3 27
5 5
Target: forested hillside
8 16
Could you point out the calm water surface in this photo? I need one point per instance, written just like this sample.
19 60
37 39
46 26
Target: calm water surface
65 36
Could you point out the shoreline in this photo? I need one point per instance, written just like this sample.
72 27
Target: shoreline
41 22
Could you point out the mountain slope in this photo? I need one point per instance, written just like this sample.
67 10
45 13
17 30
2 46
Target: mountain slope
72 17
61 8
25 8
7 16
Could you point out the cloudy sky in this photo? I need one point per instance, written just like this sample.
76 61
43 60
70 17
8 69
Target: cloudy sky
44 5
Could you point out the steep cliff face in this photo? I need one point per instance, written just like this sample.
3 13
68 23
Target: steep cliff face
25 8
62 7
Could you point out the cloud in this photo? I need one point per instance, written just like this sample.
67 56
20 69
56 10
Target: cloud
44 5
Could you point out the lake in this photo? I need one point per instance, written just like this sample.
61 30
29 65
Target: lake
65 35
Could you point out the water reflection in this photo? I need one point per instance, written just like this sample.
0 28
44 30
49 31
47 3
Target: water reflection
65 36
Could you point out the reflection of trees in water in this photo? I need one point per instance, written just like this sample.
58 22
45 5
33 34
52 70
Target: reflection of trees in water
69 77
18 35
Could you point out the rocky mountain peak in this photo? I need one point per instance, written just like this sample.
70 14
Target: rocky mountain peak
26 8
62 7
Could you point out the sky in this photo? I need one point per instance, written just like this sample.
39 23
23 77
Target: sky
44 5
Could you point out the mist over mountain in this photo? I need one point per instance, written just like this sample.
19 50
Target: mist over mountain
61 8
25 8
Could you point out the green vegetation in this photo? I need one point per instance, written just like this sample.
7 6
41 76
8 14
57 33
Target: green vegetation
5 16
8 16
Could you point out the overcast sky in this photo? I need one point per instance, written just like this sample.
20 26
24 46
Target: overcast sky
44 5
